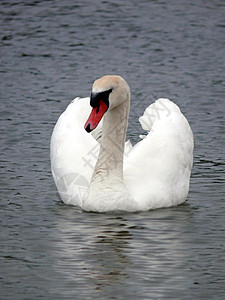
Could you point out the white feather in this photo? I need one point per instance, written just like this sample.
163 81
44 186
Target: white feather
156 170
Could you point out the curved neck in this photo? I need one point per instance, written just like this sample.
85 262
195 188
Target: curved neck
110 159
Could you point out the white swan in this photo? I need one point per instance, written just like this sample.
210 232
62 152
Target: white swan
92 170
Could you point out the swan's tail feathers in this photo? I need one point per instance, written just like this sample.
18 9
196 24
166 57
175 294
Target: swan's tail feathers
160 109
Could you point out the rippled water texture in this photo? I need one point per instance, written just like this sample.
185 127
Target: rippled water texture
51 51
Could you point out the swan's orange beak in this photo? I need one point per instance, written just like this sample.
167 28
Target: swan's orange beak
95 116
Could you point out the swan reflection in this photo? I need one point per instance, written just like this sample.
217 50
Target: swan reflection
103 252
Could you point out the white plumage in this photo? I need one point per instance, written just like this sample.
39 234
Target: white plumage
154 173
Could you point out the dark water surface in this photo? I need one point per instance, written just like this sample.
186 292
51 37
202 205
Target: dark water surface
52 51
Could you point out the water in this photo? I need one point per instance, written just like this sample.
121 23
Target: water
52 51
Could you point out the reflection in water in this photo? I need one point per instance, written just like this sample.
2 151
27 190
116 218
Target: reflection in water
109 257
96 252
106 253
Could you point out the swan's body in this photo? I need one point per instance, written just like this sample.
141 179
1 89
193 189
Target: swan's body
92 170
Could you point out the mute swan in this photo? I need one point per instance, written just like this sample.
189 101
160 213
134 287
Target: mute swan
98 172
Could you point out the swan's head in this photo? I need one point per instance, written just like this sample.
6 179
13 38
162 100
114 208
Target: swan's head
107 93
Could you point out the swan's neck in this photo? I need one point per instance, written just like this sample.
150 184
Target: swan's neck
110 159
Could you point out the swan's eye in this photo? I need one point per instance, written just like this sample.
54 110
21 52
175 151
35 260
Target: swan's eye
96 97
